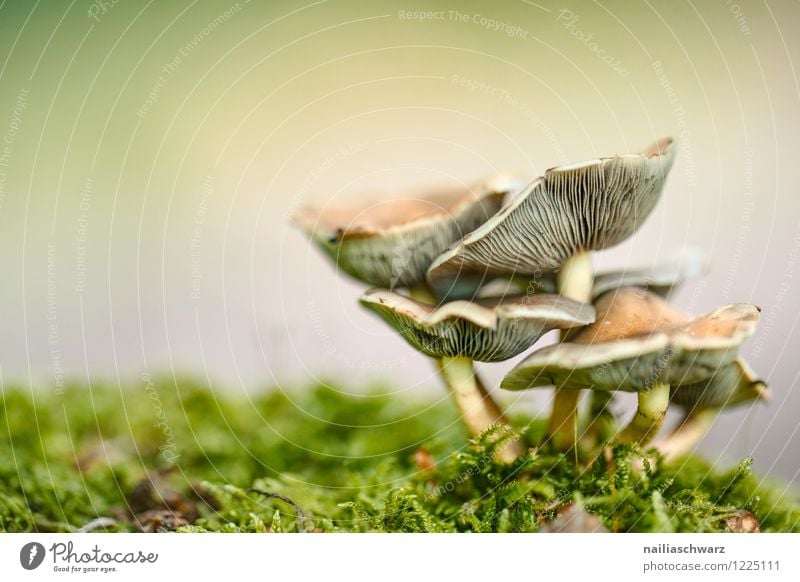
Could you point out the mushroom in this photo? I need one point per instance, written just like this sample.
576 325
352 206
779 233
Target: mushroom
558 218
489 330
391 243
662 279
731 385
553 224
639 343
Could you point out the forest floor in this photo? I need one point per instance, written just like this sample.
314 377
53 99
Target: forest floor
178 456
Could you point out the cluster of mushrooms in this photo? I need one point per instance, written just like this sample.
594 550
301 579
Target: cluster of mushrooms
482 273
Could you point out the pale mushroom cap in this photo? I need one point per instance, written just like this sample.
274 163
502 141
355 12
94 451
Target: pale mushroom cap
392 242
486 330
636 341
580 207
661 279
733 384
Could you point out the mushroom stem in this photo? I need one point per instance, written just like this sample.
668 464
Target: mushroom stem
601 423
649 416
478 410
576 277
574 282
563 418
687 434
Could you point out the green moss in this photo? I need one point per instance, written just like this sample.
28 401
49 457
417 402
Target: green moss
182 456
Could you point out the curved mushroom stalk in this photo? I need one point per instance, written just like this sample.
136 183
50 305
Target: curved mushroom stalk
687 434
478 409
488 330
640 344
731 385
553 224
649 415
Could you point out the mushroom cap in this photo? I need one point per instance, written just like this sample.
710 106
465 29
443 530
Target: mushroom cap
689 264
579 207
661 279
490 330
636 341
733 384
392 242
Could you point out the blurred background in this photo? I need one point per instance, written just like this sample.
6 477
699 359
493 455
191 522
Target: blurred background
152 153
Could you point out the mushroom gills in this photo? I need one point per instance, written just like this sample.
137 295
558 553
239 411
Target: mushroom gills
730 385
581 207
459 332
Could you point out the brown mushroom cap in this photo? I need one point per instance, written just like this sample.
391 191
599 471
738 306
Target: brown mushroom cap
733 384
489 330
579 207
636 341
393 242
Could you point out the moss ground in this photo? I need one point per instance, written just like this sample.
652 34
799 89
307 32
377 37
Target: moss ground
180 456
